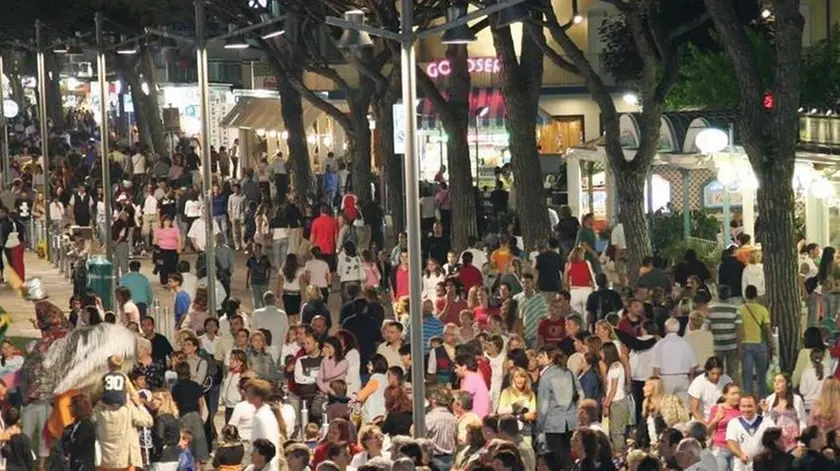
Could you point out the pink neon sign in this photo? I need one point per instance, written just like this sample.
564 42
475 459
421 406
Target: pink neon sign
475 65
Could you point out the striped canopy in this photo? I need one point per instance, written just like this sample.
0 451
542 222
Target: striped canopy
491 98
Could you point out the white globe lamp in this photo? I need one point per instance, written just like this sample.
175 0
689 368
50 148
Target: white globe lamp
711 140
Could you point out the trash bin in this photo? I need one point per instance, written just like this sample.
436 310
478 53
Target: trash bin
101 279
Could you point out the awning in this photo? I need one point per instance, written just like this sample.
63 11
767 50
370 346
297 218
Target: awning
262 113
480 98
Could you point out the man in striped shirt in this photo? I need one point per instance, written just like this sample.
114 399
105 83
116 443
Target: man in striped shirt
532 308
441 427
432 326
727 330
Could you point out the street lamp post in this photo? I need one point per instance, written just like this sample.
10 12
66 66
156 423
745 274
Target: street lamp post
206 170
407 37
42 107
4 130
104 134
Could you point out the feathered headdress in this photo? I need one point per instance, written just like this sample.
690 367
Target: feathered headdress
79 360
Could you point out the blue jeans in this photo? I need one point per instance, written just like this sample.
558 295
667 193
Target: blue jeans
723 457
442 462
222 222
831 303
813 306
257 292
755 359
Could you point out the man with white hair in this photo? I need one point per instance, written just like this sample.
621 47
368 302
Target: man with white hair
688 455
674 361
698 431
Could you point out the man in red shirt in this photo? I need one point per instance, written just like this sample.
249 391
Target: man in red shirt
468 273
552 329
324 234
631 321
450 304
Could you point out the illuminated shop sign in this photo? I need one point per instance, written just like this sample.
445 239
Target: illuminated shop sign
475 65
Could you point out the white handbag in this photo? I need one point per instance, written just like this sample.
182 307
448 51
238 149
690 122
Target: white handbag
13 240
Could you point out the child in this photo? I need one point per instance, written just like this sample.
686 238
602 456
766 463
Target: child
311 434
138 379
450 268
110 318
435 342
337 403
75 310
186 462
17 450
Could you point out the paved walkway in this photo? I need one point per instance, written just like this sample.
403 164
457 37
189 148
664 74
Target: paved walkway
60 289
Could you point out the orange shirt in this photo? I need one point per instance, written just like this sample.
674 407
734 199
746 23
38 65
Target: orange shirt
743 254
501 259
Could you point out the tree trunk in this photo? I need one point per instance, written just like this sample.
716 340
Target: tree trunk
358 146
54 108
140 113
152 107
630 188
291 106
391 163
531 207
458 150
775 202
521 86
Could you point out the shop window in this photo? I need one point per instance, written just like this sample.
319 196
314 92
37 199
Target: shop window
561 133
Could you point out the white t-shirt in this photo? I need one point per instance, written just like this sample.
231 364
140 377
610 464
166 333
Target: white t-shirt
150 205
810 386
192 209
749 440
707 392
673 355
318 271
138 164
198 233
427 207
265 426
293 285
641 368
328 162
616 372
272 319
243 419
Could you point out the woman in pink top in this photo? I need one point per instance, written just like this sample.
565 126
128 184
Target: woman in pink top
472 382
372 275
482 311
168 240
718 419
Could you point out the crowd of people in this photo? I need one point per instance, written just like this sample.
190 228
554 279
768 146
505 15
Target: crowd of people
534 357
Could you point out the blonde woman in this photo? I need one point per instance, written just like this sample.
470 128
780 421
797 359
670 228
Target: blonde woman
753 275
166 430
653 392
672 410
825 412
472 297
519 397
580 279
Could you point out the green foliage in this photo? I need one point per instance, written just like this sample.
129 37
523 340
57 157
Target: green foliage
620 55
668 240
707 78
821 72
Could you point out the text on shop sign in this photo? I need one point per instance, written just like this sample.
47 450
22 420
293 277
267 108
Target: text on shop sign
475 65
